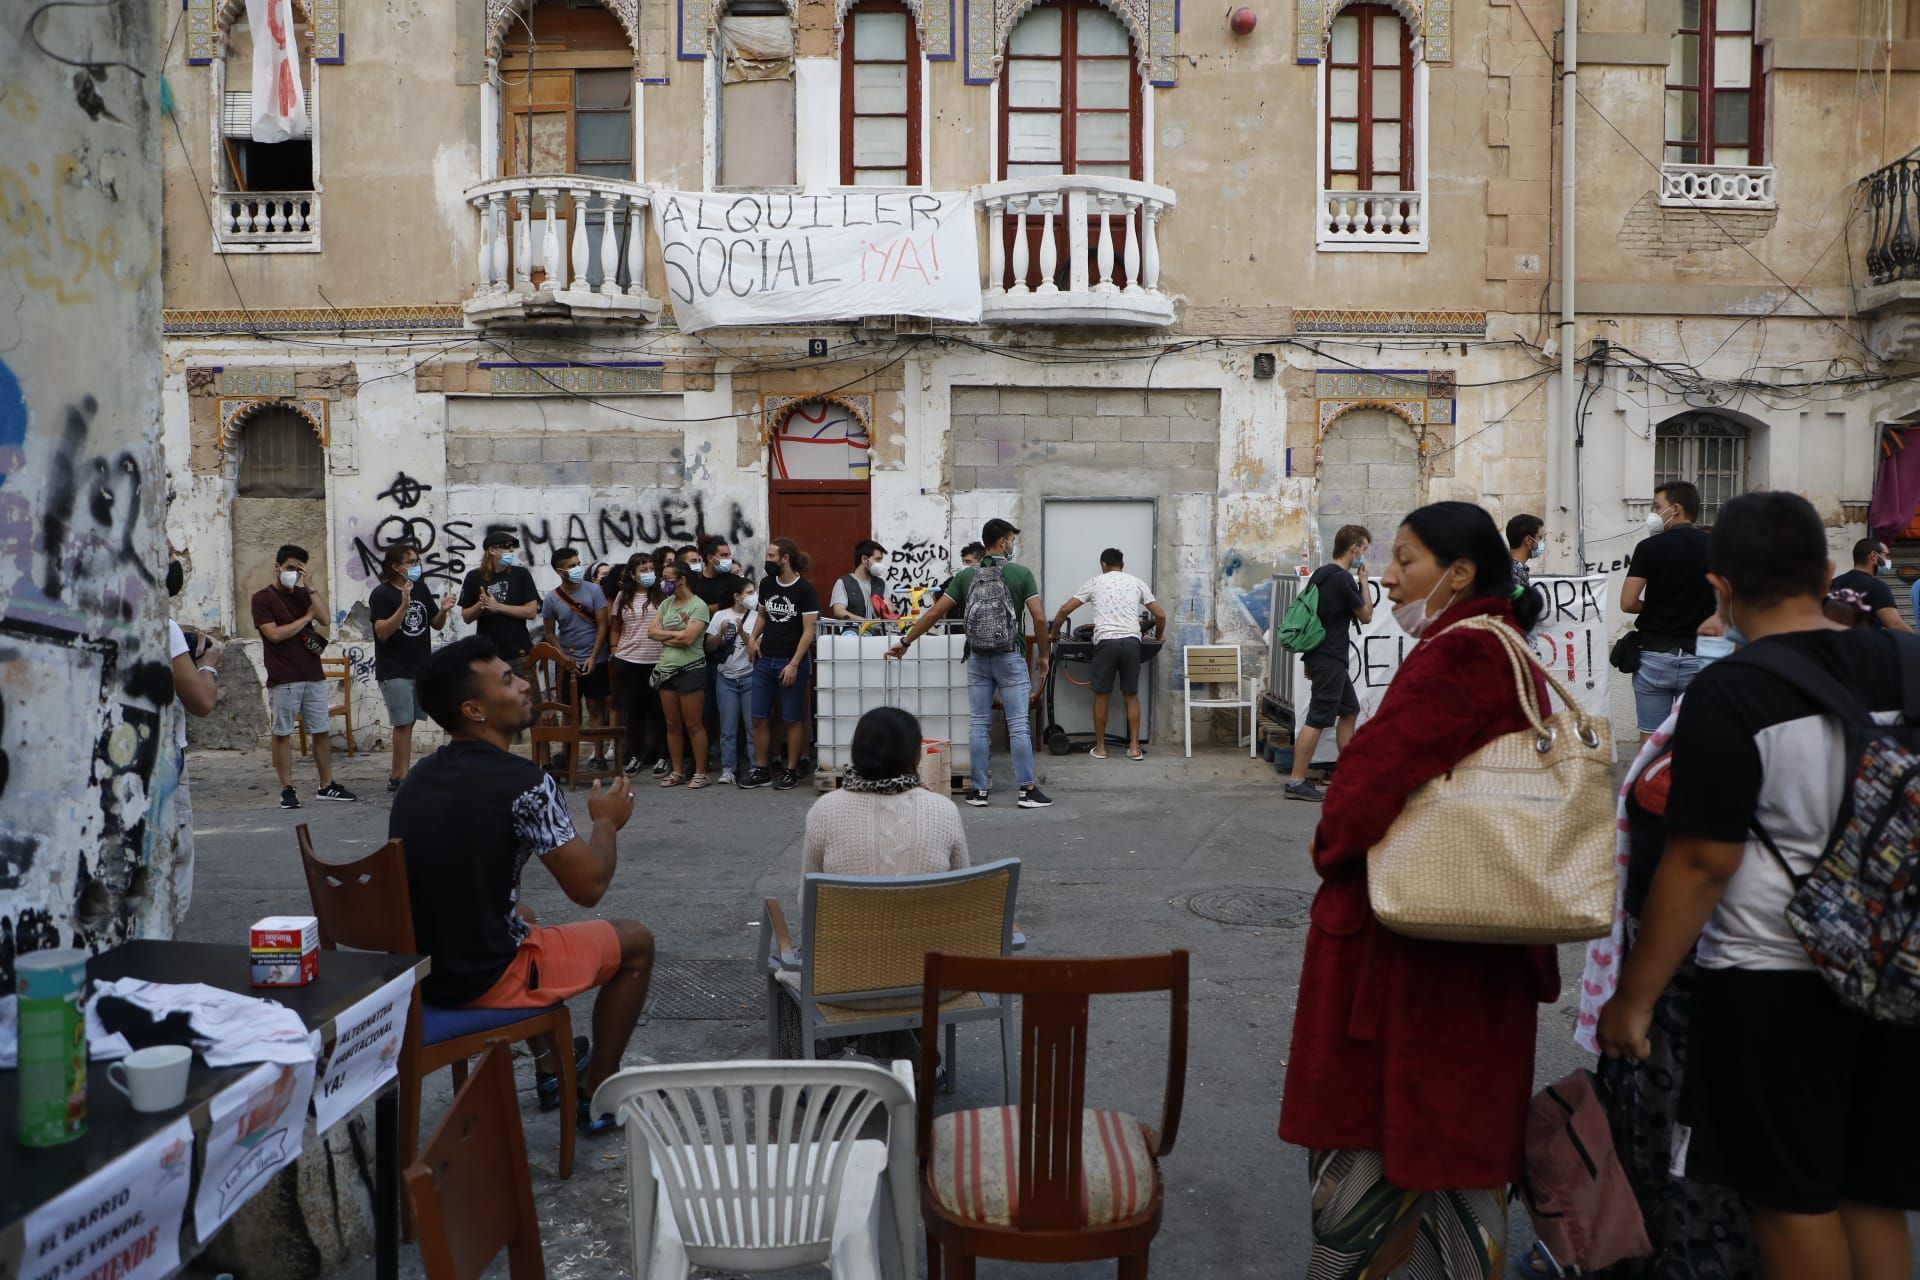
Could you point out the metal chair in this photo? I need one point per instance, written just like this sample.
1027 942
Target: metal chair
865 942
471 1192
760 1166
1219 664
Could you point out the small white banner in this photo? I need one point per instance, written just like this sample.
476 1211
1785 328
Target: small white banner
279 102
123 1222
759 258
366 1052
254 1127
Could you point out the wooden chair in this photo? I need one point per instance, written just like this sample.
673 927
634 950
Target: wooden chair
557 718
1047 1179
471 1193
332 669
365 905
1219 664
866 939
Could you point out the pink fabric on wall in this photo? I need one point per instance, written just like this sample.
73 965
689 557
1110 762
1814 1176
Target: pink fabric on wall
1896 485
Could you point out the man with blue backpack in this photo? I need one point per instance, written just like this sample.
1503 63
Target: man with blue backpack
1793 857
991 597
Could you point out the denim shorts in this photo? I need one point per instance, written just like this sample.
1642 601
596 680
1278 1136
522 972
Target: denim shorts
398 695
1662 677
767 687
305 701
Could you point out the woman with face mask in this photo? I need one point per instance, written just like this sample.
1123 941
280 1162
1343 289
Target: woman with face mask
1412 1060
681 677
635 653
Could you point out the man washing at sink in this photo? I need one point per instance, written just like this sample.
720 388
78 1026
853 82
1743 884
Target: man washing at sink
1117 598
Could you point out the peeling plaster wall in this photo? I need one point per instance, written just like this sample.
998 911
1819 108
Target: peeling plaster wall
89 854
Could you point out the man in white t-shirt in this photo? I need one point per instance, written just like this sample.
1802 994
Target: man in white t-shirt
196 686
1117 598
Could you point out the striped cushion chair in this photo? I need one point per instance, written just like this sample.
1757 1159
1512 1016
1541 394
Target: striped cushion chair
1047 1178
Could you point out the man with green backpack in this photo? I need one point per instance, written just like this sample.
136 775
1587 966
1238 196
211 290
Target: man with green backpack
1316 625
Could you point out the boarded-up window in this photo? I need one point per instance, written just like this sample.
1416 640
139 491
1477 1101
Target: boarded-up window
280 457
754 42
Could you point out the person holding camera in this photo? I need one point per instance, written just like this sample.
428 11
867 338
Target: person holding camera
292 617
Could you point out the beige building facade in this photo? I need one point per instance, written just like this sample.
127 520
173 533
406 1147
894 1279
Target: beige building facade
1266 283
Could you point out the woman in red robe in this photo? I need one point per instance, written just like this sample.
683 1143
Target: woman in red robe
1412 1060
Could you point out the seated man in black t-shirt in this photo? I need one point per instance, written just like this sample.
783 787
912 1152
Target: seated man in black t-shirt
470 816
1798 1102
1870 561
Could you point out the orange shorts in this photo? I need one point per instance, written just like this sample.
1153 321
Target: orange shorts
556 962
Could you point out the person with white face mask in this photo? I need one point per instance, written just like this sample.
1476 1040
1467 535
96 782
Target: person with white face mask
1667 587
727 634
862 594
1526 542
636 600
292 619
1872 562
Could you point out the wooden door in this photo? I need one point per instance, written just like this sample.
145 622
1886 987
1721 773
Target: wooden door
826 517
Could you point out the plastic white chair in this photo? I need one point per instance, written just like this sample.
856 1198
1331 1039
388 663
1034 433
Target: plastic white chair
759 1167
1220 664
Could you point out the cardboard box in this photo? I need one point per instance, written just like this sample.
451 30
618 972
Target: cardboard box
286 951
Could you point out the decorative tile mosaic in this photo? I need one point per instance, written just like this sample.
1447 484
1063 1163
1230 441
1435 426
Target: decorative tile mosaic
1440 384
1423 397
1150 22
233 413
573 379
933 18
200 33
772 410
206 19
256 384
1461 324
1434 28
176 322
329 35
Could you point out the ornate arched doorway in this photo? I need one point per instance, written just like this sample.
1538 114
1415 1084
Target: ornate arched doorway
818 487
279 466
1369 474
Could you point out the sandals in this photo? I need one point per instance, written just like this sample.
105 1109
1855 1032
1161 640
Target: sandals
674 780
698 781
1098 753
1135 754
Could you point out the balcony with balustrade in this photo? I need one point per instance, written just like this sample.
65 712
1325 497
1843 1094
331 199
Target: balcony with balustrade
557 249
1074 251
1372 221
1889 299
266 221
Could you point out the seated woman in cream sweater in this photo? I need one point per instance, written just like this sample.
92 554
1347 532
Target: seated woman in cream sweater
882 822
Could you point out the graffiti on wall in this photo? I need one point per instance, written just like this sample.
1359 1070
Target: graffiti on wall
917 564
614 530
447 549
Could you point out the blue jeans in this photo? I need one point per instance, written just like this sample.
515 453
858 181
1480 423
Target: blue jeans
1662 677
735 695
1006 674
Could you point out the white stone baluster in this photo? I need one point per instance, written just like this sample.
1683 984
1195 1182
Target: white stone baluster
609 249
260 223
1131 263
502 228
578 252
1105 283
636 246
551 241
1049 251
1020 245
1150 250
223 209
523 247
996 245
1413 215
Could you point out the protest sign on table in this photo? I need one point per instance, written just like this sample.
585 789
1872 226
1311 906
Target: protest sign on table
366 1052
123 1222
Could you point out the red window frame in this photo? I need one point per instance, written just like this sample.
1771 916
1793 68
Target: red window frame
1069 109
1706 30
849 57
1365 64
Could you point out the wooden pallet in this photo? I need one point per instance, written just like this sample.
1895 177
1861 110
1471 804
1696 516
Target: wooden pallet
825 780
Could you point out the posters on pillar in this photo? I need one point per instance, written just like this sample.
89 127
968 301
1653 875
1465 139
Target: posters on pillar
1570 640
767 258
366 1052
253 1129
123 1222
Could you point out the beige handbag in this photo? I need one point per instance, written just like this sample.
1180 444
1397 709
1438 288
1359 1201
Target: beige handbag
1514 844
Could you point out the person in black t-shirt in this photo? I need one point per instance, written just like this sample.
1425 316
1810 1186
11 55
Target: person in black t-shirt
401 608
782 663
1871 560
1344 599
499 597
1667 587
1797 1102
714 580
470 817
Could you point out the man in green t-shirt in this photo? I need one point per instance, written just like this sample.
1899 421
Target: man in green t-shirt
1003 673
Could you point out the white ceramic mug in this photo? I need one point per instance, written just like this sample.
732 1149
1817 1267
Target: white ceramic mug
155 1078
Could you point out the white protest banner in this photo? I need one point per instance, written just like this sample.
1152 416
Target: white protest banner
123 1223
763 258
1571 640
253 1128
366 1052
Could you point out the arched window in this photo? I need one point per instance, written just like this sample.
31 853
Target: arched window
1369 101
880 97
280 457
1706 449
1716 88
268 192
565 109
1070 95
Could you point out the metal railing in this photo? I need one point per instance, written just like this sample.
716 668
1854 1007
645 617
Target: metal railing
1893 207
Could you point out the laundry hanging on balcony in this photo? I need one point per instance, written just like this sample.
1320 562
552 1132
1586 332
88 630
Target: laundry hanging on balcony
758 258
279 103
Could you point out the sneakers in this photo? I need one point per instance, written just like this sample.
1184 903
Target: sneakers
1305 790
727 779
632 766
393 785
663 768
978 799
787 780
332 791
755 778
546 1084
599 764
590 1124
1034 798
289 798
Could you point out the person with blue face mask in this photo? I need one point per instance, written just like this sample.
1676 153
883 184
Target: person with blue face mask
1872 563
499 598
575 618
402 607
1526 542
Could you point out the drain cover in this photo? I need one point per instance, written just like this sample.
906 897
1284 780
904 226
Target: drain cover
1268 908
707 990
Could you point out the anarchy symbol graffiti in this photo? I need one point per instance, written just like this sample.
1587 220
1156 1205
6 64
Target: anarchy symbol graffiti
405 491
